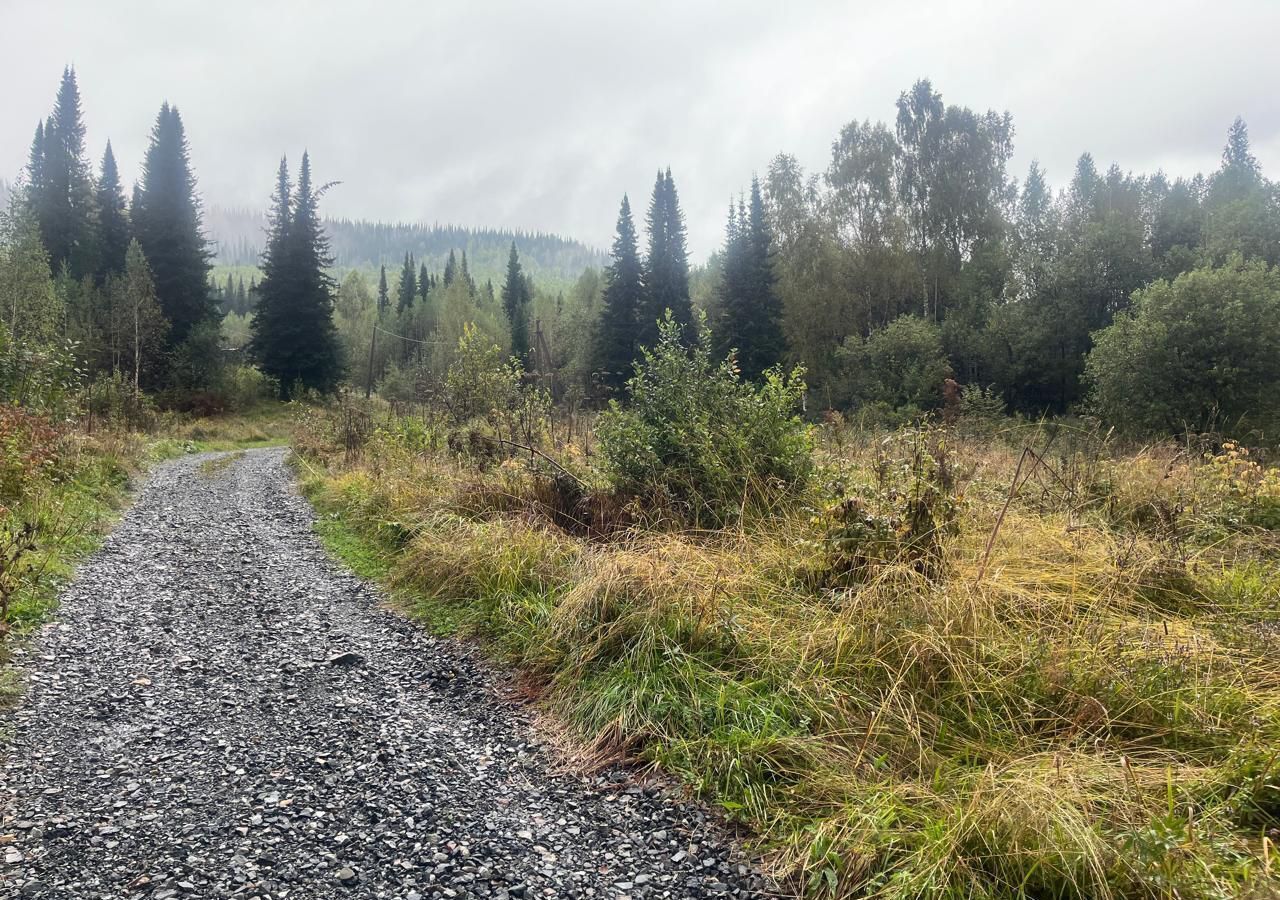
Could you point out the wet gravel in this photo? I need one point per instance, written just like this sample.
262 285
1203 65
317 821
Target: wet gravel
219 711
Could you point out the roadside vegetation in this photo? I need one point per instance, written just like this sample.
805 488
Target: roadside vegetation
973 658
825 527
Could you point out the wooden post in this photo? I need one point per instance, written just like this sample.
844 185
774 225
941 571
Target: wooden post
373 342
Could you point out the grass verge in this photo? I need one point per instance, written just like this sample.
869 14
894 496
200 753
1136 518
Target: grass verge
1090 710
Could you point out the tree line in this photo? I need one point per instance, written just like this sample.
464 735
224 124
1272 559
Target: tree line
361 244
913 260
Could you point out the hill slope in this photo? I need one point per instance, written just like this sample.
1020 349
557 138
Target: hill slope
359 244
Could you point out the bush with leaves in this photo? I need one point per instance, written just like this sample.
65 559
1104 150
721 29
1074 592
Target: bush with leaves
695 431
901 518
1192 354
900 367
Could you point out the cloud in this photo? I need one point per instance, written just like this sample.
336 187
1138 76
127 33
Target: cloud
540 115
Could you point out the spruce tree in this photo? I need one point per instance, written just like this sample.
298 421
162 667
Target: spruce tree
167 222
294 338
424 282
751 311
450 269
515 301
65 201
408 286
466 275
623 295
35 172
113 220
666 273
384 296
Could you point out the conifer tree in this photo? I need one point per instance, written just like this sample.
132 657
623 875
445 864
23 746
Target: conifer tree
622 298
666 273
294 338
424 282
466 275
384 297
751 310
515 301
450 269
408 286
113 220
35 171
64 203
167 221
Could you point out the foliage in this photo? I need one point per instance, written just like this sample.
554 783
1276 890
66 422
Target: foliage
749 311
1194 353
695 432
622 299
167 221
1051 727
294 338
903 517
666 265
29 443
902 365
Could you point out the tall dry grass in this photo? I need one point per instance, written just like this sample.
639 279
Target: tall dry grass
1087 705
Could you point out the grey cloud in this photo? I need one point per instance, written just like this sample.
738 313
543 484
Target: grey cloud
540 115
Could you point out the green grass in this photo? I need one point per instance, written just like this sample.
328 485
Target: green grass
72 516
212 468
1072 724
373 559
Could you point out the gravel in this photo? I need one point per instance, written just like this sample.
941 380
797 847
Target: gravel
219 711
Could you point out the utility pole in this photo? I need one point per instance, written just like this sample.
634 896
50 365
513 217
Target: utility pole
373 342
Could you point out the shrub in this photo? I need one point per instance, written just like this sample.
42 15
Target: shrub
901 365
1193 353
479 382
697 433
902 517
28 450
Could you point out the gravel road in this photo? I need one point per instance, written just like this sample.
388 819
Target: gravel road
218 711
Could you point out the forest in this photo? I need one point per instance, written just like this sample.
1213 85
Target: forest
927 529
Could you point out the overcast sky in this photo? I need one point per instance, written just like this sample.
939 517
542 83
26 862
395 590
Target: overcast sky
539 115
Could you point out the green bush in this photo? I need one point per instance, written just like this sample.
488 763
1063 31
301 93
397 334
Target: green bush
1196 353
696 433
903 365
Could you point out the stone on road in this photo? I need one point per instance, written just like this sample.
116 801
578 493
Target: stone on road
218 711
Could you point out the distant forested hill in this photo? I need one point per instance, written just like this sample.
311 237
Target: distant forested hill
238 235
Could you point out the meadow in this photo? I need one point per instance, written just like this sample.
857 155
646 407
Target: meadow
976 659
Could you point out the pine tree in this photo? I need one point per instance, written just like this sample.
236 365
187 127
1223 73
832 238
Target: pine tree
167 222
424 282
64 203
515 301
35 171
294 338
466 275
623 295
666 273
450 269
408 286
113 220
751 309
384 297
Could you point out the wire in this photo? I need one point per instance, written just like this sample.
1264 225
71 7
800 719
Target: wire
403 338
